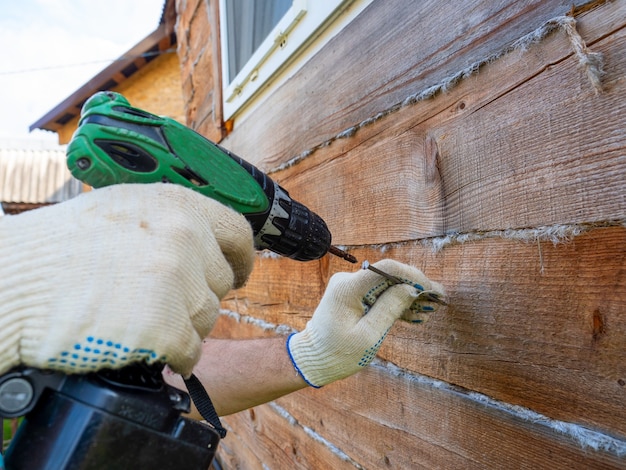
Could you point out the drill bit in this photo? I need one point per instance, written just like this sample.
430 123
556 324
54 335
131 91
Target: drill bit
342 254
430 296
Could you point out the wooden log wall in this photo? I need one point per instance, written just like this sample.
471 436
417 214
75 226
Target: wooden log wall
472 142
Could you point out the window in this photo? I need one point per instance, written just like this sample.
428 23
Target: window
248 24
259 36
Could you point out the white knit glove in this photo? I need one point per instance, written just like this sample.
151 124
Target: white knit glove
353 318
120 274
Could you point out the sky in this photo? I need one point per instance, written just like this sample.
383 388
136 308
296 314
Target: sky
50 48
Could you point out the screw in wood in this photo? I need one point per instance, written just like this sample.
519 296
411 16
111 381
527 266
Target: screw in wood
430 296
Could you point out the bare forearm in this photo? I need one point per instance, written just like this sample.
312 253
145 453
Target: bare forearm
240 374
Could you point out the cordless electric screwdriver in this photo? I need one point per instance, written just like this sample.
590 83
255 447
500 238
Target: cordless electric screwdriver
129 417
116 143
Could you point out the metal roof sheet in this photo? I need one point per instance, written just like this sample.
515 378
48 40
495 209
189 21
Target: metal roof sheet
36 176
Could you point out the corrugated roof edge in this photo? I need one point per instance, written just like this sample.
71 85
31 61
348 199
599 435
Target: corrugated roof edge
36 176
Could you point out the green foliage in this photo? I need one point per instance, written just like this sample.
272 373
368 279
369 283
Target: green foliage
7 432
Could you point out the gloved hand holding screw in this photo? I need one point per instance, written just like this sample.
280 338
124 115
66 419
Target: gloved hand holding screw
354 316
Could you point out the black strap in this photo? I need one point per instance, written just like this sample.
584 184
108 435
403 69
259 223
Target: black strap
204 404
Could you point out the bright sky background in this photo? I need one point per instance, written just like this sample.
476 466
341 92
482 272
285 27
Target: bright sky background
50 48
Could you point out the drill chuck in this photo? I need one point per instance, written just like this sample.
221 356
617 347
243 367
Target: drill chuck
116 143
292 230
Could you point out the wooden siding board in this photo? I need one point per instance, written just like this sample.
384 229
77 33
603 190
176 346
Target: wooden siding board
198 33
268 440
524 143
531 146
533 324
384 190
545 138
390 51
403 423
550 340
380 419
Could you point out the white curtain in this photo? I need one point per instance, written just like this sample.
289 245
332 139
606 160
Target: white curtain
249 22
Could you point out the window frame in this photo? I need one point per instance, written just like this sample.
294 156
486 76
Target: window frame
300 24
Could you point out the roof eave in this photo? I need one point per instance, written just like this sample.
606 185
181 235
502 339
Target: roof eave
160 40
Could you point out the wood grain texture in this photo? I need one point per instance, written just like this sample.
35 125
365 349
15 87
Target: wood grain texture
524 143
393 49
406 424
532 324
263 439
381 419
197 30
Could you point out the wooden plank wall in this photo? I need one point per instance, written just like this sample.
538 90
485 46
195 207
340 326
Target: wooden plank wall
471 143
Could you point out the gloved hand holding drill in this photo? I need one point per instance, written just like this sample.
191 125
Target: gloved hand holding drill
121 274
136 272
